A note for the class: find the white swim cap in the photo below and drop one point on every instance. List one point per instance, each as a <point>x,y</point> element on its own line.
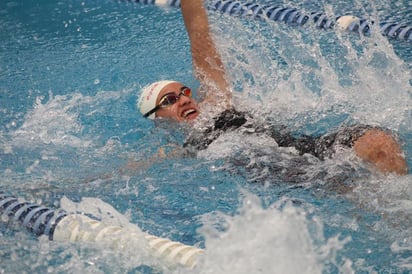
<point>148,96</point>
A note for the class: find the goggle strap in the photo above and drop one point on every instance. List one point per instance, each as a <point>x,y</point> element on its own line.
<point>156,108</point>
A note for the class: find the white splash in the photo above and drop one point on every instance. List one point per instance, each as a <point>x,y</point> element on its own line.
<point>280,239</point>
<point>53,122</point>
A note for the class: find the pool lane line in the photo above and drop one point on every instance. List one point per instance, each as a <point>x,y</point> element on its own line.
<point>59,225</point>
<point>294,17</point>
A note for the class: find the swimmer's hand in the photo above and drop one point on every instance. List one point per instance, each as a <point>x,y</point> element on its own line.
<point>164,152</point>
<point>101,177</point>
<point>133,166</point>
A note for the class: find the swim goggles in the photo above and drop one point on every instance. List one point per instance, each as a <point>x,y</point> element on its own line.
<point>170,99</point>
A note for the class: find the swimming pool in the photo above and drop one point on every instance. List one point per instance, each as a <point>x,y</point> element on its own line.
<point>69,74</point>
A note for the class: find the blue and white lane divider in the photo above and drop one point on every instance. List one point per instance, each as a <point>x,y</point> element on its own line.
<point>295,17</point>
<point>59,225</point>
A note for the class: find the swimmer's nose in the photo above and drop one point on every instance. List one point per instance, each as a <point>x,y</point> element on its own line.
<point>183,100</point>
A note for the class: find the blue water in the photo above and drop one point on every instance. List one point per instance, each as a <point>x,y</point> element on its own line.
<point>69,76</point>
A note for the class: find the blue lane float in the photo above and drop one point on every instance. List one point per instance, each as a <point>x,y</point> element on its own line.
<point>294,17</point>
<point>37,219</point>
<point>59,225</point>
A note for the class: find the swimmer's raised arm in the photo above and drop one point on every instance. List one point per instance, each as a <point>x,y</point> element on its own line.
<point>207,63</point>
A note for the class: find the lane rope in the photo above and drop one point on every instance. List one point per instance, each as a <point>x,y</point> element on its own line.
<point>294,17</point>
<point>59,225</point>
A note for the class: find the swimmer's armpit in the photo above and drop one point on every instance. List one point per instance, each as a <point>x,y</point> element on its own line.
<point>381,149</point>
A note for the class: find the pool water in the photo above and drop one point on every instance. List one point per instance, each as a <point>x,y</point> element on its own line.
<point>70,73</point>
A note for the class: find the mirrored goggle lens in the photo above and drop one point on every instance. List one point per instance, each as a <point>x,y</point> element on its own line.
<point>168,99</point>
<point>186,91</point>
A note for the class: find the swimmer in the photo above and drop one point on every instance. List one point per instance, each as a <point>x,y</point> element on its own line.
<point>173,100</point>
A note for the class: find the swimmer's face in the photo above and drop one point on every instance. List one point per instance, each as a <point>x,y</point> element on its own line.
<point>184,110</point>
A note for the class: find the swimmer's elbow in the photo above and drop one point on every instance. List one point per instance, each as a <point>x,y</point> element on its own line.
<point>383,151</point>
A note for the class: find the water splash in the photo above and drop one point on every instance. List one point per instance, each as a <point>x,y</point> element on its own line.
<point>280,239</point>
<point>300,75</point>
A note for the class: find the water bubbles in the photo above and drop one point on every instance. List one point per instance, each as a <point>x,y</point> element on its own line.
<point>39,99</point>
<point>12,124</point>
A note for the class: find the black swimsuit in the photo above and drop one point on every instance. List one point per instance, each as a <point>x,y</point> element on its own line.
<point>321,147</point>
